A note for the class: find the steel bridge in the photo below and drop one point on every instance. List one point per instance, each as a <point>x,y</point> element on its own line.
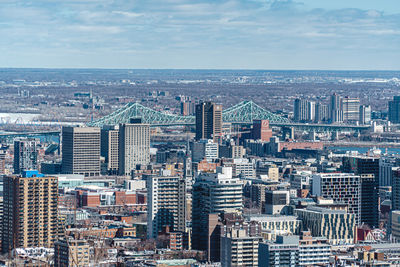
<point>244,112</point>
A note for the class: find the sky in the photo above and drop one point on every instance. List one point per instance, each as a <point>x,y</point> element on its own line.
<point>201,34</point>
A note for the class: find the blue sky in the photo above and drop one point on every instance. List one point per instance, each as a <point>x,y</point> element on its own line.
<point>218,34</point>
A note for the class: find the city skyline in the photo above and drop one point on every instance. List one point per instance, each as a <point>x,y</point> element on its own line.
<point>304,34</point>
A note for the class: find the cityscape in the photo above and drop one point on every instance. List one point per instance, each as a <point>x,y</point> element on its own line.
<point>177,133</point>
<point>108,173</point>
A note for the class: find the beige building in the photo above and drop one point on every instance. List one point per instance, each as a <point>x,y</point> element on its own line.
<point>71,253</point>
<point>239,249</point>
<point>81,150</point>
<point>336,225</point>
<point>134,146</point>
<point>30,211</point>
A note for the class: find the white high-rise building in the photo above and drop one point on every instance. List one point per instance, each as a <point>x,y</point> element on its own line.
<point>165,204</point>
<point>386,167</point>
<point>365,114</point>
<point>213,193</point>
<point>311,111</point>
<point>134,146</point>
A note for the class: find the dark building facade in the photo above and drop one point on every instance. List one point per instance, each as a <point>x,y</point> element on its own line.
<point>394,110</point>
<point>368,169</point>
<point>208,121</point>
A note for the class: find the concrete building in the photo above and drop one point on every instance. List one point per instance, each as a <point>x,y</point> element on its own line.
<point>208,121</point>
<point>81,150</point>
<point>30,215</point>
<point>395,225</point>
<point>394,110</point>
<point>242,167</point>
<point>284,252</point>
<point>134,146</point>
<point>336,225</point>
<point>204,149</point>
<point>275,225</point>
<point>313,251</point>
<point>365,114</point>
<point>166,204</point>
<point>275,201</point>
<point>301,110</point>
<point>396,190</point>
<point>321,113</point>
<point>109,148</point>
<point>239,249</point>
<point>340,187</point>
<point>311,111</point>
<point>237,152</point>
<point>336,108</point>
<point>213,193</point>
<point>386,167</point>
<point>303,250</point>
<point>71,252</point>
<point>351,109</point>
<point>25,155</point>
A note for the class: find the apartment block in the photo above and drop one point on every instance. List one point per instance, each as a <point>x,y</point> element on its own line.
<point>30,211</point>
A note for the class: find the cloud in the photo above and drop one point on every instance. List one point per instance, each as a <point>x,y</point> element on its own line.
<point>202,32</point>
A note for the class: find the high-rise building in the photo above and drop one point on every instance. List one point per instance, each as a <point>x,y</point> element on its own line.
<point>208,121</point>
<point>165,204</point>
<point>187,108</point>
<point>395,225</point>
<point>261,130</point>
<point>301,110</point>
<point>351,109</point>
<point>134,146</point>
<point>213,193</point>
<point>368,169</point>
<point>30,211</point>
<point>387,165</point>
<point>109,148</point>
<point>311,111</point>
<point>336,225</point>
<point>365,114</point>
<point>71,252</point>
<point>239,249</point>
<point>396,190</point>
<point>321,112</point>
<point>394,110</point>
<point>25,155</point>
<point>336,108</point>
<point>340,187</point>
<point>81,150</point>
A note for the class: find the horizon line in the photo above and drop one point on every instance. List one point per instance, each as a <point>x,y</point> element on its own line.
<point>209,69</point>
